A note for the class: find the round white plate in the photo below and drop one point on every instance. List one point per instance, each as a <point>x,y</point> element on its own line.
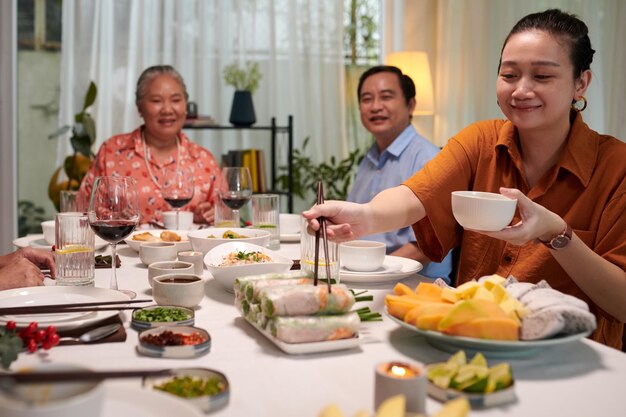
<point>408,267</point>
<point>38,242</point>
<point>490,348</point>
<point>389,266</point>
<point>290,237</point>
<point>20,297</point>
<point>183,245</point>
<point>138,402</point>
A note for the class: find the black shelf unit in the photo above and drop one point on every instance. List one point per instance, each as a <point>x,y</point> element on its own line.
<point>275,130</point>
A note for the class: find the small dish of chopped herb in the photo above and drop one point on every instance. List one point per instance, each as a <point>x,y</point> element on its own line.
<point>155,316</point>
<point>206,389</point>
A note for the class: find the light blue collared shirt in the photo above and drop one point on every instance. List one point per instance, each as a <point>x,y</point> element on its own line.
<point>379,171</point>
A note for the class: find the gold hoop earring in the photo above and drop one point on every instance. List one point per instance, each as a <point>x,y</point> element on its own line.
<point>576,108</point>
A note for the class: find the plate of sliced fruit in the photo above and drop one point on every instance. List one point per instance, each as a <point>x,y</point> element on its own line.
<point>482,385</point>
<point>487,317</point>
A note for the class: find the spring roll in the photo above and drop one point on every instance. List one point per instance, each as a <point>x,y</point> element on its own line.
<point>306,329</point>
<point>303,300</point>
<point>242,282</point>
<point>252,289</point>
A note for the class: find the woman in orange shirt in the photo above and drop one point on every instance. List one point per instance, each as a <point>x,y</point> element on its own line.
<point>159,144</point>
<point>569,181</point>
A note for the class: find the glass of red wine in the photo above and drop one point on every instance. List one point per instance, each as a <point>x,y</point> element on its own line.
<point>113,214</point>
<point>235,188</point>
<point>178,188</point>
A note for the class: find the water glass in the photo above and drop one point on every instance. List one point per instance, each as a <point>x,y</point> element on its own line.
<point>265,216</point>
<point>307,254</point>
<point>74,253</point>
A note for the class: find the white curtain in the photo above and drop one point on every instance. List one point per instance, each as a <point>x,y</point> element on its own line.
<point>464,47</point>
<point>297,43</point>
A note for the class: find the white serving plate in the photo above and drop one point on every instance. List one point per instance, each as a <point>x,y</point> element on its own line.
<point>38,242</point>
<point>183,245</point>
<point>45,295</point>
<point>489,348</point>
<point>407,268</point>
<point>312,347</point>
<point>139,402</point>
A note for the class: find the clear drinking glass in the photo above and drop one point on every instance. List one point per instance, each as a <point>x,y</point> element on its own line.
<point>114,214</point>
<point>178,188</point>
<point>307,254</point>
<point>74,249</point>
<point>265,216</point>
<point>235,188</point>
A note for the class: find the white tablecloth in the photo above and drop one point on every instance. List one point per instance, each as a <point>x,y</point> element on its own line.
<point>582,378</point>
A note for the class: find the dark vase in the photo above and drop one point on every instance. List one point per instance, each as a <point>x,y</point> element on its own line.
<point>242,111</point>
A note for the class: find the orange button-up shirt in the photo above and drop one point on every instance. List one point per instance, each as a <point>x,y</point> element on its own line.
<point>587,188</point>
<point>123,155</point>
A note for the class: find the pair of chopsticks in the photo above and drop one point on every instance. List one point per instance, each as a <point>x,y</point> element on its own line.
<point>72,308</point>
<point>73,376</point>
<point>322,230</point>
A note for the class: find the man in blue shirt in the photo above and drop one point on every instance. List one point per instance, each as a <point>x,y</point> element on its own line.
<point>386,102</point>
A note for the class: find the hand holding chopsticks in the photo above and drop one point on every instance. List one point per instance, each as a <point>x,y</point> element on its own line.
<point>322,229</point>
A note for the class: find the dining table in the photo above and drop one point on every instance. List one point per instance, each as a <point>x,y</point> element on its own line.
<point>581,378</point>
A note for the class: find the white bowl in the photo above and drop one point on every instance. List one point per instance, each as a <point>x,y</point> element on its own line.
<point>151,252</point>
<point>226,275</point>
<point>205,403</point>
<point>484,211</point>
<point>53,399</point>
<point>48,231</point>
<point>178,290</point>
<point>169,267</point>
<point>183,245</point>
<point>362,255</point>
<point>289,223</point>
<point>201,241</point>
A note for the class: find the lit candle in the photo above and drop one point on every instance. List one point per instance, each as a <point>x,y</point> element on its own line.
<point>400,378</point>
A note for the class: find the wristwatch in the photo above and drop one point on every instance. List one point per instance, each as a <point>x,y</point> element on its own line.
<point>559,241</point>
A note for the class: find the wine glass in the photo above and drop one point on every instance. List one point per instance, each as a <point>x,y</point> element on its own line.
<point>235,188</point>
<point>178,188</point>
<point>113,214</point>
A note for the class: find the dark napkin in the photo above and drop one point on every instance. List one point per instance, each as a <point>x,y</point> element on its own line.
<point>119,336</point>
<point>105,261</point>
<point>296,264</point>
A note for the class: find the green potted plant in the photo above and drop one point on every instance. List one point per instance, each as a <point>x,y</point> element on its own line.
<point>71,173</point>
<point>337,175</point>
<point>246,81</point>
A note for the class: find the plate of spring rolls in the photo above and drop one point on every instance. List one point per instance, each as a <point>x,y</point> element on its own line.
<point>296,316</point>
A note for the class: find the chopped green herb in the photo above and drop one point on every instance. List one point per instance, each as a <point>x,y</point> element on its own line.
<point>161,314</point>
<point>188,387</point>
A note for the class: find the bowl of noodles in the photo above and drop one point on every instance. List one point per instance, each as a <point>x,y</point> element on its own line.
<point>204,240</point>
<point>233,260</point>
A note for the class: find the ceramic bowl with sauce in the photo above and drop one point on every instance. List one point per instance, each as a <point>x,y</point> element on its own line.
<point>178,342</point>
<point>178,290</point>
<point>156,269</point>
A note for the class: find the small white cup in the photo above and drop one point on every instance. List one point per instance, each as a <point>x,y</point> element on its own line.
<point>289,223</point>
<point>195,258</point>
<point>151,252</point>
<point>185,220</point>
<point>168,267</point>
<point>178,290</point>
<point>362,255</point>
<point>48,231</point>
